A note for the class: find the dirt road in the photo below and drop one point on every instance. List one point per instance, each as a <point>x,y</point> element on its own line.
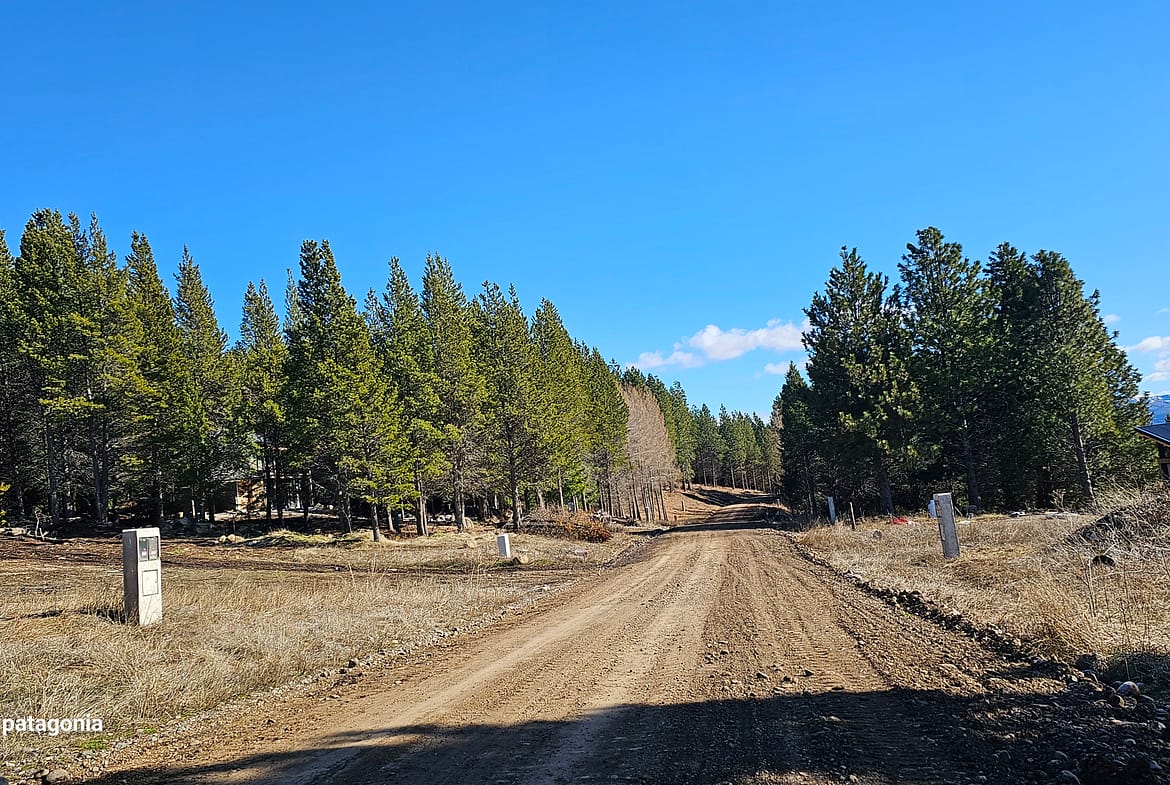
<point>719,655</point>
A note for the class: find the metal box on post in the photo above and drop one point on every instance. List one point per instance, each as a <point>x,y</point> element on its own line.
<point>142,575</point>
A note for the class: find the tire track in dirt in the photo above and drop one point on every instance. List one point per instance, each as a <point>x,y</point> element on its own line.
<point>718,656</point>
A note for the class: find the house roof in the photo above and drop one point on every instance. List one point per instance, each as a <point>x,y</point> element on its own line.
<point>1159,433</point>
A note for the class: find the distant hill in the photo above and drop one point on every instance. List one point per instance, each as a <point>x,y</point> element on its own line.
<point>1159,408</point>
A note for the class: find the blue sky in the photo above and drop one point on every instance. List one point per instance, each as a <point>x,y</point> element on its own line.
<point>677,178</point>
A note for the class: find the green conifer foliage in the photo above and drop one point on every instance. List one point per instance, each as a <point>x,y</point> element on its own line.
<point>460,384</point>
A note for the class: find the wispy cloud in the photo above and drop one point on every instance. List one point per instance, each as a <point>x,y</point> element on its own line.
<point>1161,371</point>
<point>1155,343</point>
<point>1111,318</point>
<point>714,344</point>
<point>650,360</point>
<point>719,344</point>
<point>776,369</point>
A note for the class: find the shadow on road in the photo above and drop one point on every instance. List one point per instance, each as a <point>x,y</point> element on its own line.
<point>899,735</point>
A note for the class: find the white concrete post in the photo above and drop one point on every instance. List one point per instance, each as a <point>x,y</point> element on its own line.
<point>947,532</point>
<point>142,576</point>
<point>832,511</point>
<point>504,543</point>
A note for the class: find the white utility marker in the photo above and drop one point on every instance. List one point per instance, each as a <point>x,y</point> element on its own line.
<point>142,576</point>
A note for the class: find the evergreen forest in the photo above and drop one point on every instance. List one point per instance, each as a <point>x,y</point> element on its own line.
<point>123,400</point>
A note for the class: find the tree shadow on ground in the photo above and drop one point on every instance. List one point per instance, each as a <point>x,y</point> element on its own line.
<point>890,736</point>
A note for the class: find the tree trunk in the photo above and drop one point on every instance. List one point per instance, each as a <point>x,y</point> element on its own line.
<point>269,490</point>
<point>883,477</point>
<point>1082,463</point>
<point>374,521</point>
<point>561,489</point>
<point>156,491</point>
<point>422,506</point>
<point>973,497</point>
<point>460,519</point>
<point>51,475</point>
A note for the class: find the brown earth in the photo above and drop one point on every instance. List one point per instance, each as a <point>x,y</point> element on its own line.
<point>717,655</point>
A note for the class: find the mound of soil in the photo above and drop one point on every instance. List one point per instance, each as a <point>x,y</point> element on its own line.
<point>1146,518</point>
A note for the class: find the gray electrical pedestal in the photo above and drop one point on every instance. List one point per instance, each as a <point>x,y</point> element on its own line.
<point>142,576</point>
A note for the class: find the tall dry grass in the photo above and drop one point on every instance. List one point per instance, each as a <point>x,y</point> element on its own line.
<point>1036,577</point>
<point>64,651</point>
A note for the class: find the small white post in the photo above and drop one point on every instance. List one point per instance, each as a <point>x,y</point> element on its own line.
<point>142,576</point>
<point>947,531</point>
<point>504,543</point>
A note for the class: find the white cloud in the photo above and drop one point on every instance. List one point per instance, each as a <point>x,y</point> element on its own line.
<point>718,344</point>
<point>1161,371</point>
<point>1155,343</point>
<point>1164,310</point>
<point>776,369</point>
<point>714,344</point>
<point>1111,318</point>
<point>649,360</point>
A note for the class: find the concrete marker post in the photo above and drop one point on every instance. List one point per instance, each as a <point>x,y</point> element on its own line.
<point>832,512</point>
<point>504,543</point>
<point>142,576</point>
<point>947,530</point>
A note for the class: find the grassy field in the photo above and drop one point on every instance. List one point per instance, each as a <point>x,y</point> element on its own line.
<point>241,618</point>
<point>1065,583</point>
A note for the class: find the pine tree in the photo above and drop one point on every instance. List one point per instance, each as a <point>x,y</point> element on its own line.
<point>111,386</point>
<point>46,290</point>
<point>154,466</point>
<point>606,428</point>
<point>517,411</point>
<point>460,387</point>
<point>208,438</point>
<point>17,403</point>
<point>685,444</point>
<point>560,375</point>
<point>348,432</point>
<point>261,353</point>
<point>858,365</point>
<point>948,316</point>
<point>1073,392</point>
<point>798,441</point>
<point>709,446</point>
<point>401,338</point>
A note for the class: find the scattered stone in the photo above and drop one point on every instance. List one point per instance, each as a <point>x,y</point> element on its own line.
<point>1129,689</point>
<point>56,775</point>
<point>761,676</point>
<point>351,664</point>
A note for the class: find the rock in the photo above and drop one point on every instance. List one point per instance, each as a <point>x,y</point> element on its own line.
<point>761,676</point>
<point>1087,662</point>
<point>351,664</point>
<point>56,775</point>
<point>521,558</point>
<point>1129,689</point>
<point>1068,777</point>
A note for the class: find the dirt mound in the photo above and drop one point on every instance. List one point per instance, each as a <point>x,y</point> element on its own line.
<point>1145,518</point>
<point>566,525</point>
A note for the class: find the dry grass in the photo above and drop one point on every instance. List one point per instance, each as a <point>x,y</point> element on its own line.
<point>1036,577</point>
<point>238,619</point>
